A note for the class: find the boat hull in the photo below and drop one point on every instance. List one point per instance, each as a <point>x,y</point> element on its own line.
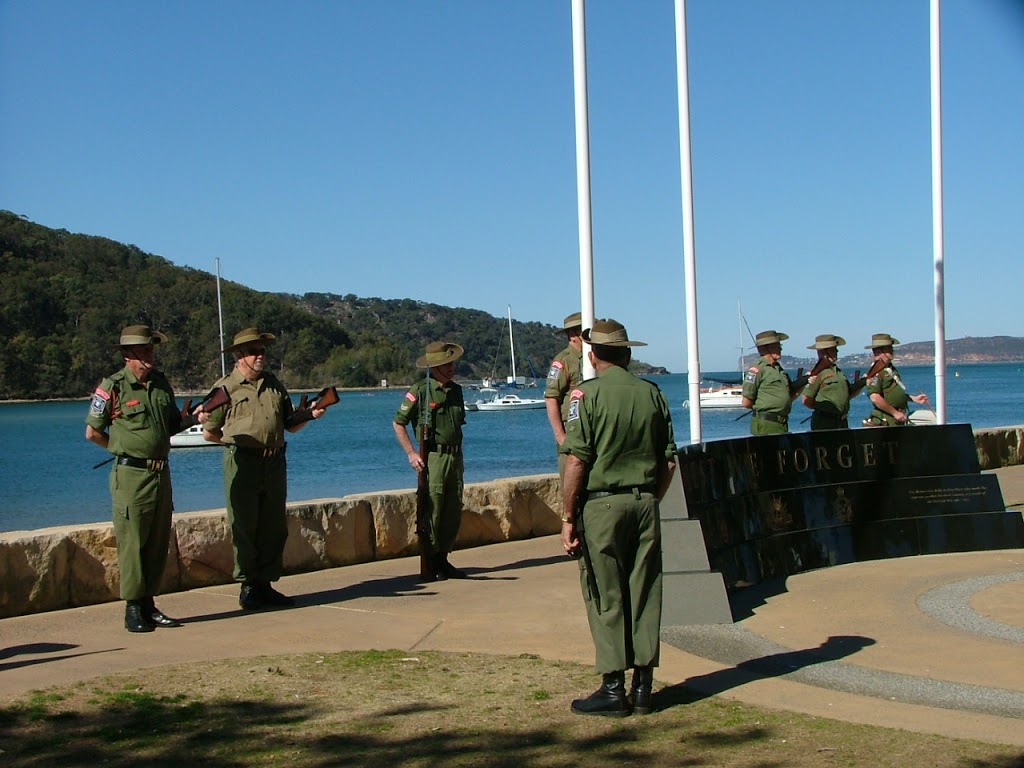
<point>191,438</point>
<point>510,403</point>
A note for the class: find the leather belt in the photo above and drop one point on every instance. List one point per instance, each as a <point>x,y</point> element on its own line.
<point>448,448</point>
<point>262,453</point>
<point>156,465</point>
<point>774,417</point>
<point>634,490</point>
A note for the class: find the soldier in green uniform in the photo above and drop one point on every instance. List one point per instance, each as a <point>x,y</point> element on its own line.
<point>133,415</point>
<point>828,393</point>
<point>620,451</point>
<point>886,390</point>
<point>767,388</point>
<point>255,471</point>
<point>447,414</point>
<point>563,377</point>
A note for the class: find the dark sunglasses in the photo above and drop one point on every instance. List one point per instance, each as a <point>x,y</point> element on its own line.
<point>254,351</point>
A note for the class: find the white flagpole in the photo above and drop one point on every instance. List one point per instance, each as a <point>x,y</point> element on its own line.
<point>579,68</point>
<point>220,321</point>
<point>937,209</point>
<point>689,258</point>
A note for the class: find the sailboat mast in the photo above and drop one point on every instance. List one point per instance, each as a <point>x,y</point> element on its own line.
<point>739,328</point>
<point>511,345</point>
<point>220,321</point>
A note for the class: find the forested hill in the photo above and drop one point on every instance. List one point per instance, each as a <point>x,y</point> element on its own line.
<point>64,298</point>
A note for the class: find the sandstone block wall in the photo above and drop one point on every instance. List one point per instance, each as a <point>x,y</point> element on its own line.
<point>1000,446</point>
<point>65,567</point>
<point>57,568</point>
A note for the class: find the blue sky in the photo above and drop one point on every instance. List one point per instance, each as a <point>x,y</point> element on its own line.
<point>426,150</point>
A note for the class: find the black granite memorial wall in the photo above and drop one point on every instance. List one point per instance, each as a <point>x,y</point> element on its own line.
<point>776,505</point>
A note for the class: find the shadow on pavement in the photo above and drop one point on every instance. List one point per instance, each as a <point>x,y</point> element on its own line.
<point>776,665</point>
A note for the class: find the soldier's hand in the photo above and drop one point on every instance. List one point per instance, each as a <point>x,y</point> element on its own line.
<point>570,541</point>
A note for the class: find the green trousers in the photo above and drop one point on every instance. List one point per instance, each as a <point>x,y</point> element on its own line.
<point>620,577</point>
<point>445,483</point>
<point>256,489</point>
<point>762,427</point>
<point>142,507</point>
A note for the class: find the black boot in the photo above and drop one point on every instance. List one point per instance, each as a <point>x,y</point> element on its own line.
<point>450,571</point>
<point>642,690</point>
<point>249,597</point>
<point>609,700</point>
<point>155,616</point>
<point>134,620</point>
<point>437,566</point>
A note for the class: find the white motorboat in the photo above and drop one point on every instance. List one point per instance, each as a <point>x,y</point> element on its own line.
<point>490,392</point>
<point>725,396</point>
<point>923,417</point>
<point>191,438</point>
<point>509,402</point>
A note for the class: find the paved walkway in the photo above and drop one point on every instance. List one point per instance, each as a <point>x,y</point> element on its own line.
<point>932,644</point>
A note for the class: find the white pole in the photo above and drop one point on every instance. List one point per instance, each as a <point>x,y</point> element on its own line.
<point>220,321</point>
<point>511,345</point>
<point>937,228</point>
<point>579,68</point>
<point>689,259</point>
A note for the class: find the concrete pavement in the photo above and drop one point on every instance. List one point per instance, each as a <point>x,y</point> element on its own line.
<point>931,644</point>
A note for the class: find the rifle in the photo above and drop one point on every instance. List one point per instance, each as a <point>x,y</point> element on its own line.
<point>218,397</point>
<point>801,380</point>
<point>423,487</point>
<point>325,398</point>
<point>858,382</point>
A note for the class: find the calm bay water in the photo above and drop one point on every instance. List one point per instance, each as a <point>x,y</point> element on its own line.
<point>46,475</point>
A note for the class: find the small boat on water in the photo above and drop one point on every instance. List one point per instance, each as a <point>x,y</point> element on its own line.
<point>725,396</point>
<point>725,392</point>
<point>509,402</point>
<point>191,438</point>
<point>490,393</point>
<point>923,417</point>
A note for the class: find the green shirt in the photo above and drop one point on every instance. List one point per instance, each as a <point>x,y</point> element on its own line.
<point>830,392</point>
<point>620,427</point>
<point>255,417</point>
<point>767,385</point>
<point>563,377</point>
<point>139,417</point>
<point>447,410</point>
<point>890,386</point>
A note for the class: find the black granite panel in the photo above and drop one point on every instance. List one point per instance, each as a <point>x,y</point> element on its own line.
<point>784,554</point>
<point>776,505</point>
<point>729,521</point>
<point>725,468</point>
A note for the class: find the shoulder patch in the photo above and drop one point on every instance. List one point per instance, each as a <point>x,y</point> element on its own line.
<point>576,394</point>
<point>410,396</point>
<point>100,398</point>
<point>750,376</point>
<point>555,369</point>
<point>753,369</point>
<point>574,410</point>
